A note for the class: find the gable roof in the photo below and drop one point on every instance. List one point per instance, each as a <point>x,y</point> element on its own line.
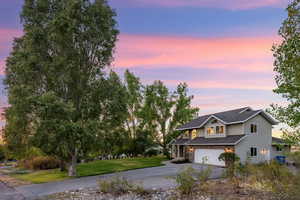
<point>235,116</point>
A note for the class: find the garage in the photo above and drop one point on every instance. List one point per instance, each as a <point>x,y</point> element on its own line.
<point>210,156</point>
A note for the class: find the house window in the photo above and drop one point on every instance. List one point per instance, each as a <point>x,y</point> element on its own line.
<point>253,151</point>
<point>219,129</point>
<point>278,148</point>
<point>194,133</point>
<point>253,128</point>
<point>210,131</point>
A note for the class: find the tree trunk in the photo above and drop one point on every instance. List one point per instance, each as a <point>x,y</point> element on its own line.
<point>72,166</point>
<point>62,166</point>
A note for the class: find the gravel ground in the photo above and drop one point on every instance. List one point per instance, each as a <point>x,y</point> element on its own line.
<point>94,194</point>
<point>9,193</point>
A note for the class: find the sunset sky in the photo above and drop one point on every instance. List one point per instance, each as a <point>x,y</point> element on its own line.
<point>221,48</point>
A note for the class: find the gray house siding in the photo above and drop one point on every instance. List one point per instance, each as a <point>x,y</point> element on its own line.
<point>235,129</point>
<point>261,140</point>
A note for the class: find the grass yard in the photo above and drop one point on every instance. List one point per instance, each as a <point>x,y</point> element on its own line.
<point>42,176</point>
<point>92,168</point>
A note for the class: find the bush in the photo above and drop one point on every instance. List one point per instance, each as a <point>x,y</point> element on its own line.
<point>295,157</point>
<point>277,179</point>
<point>2,153</point>
<point>40,163</point>
<point>120,185</point>
<point>204,174</point>
<point>229,158</point>
<point>203,177</point>
<point>186,181</point>
<point>151,152</point>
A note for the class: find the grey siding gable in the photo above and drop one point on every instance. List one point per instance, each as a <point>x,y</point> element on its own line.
<point>261,140</point>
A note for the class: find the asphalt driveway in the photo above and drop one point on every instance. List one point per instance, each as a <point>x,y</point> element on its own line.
<point>154,177</point>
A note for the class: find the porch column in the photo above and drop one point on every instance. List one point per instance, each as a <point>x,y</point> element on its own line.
<point>178,153</point>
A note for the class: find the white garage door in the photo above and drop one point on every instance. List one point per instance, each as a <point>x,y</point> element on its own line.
<point>210,156</point>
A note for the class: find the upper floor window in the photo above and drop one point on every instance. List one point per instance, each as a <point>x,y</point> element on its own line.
<point>219,129</point>
<point>253,151</point>
<point>215,130</point>
<point>253,128</point>
<point>210,131</point>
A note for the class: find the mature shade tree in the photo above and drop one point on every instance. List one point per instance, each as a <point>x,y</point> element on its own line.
<point>183,110</point>
<point>110,131</point>
<point>134,90</point>
<point>163,111</point>
<point>287,66</point>
<point>55,80</point>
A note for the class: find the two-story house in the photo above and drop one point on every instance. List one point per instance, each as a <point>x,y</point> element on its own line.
<point>245,131</point>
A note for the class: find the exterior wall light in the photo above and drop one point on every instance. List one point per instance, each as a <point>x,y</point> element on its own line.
<point>228,150</point>
<point>264,151</point>
<point>191,149</point>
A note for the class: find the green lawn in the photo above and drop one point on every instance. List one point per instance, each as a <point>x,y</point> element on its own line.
<point>42,176</point>
<point>92,168</point>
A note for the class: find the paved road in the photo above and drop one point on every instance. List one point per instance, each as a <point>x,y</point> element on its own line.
<point>155,177</point>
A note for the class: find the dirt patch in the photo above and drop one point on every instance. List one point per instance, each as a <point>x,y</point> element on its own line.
<point>225,190</point>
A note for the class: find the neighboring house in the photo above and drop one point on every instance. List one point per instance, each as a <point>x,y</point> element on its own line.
<point>245,131</point>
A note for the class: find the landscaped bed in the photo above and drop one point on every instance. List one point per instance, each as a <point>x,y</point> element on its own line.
<point>89,169</point>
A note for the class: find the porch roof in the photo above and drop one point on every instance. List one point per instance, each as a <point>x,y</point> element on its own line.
<point>180,141</point>
<point>228,140</point>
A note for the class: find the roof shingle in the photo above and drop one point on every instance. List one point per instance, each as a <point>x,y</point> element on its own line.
<point>228,117</point>
<point>228,140</point>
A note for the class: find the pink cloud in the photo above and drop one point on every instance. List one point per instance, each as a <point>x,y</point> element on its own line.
<point>7,35</point>
<point>222,103</point>
<point>225,4</point>
<point>208,108</point>
<point>246,53</point>
<point>250,84</point>
<point>2,67</point>
<point>6,38</point>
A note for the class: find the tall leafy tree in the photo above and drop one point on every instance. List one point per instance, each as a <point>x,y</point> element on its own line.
<point>287,66</point>
<point>110,132</point>
<point>134,90</point>
<point>164,110</point>
<point>55,76</point>
<point>183,110</point>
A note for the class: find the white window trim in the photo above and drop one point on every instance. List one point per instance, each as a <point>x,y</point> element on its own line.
<point>215,133</point>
